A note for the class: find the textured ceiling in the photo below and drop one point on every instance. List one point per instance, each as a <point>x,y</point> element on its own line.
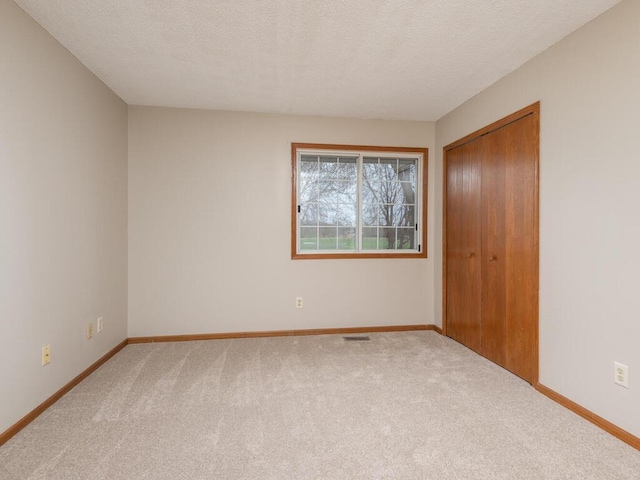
<point>391,59</point>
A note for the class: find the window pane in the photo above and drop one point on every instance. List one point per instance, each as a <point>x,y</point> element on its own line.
<point>397,192</point>
<point>309,214</point>
<point>370,171</point>
<point>329,167</point>
<point>331,188</point>
<point>407,170</point>
<point>370,213</point>
<point>327,215</point>
<point>370,192</point>
<point>388,169</point>
<point>396,238</point>
<point>389,214</point>
<point>308,238</point>
<point>337,214</point>
<point>308,191</point>
<point>388,200</point>
<point>347,238</point>
<point>347,169</point>
<point>346,192</point>
<point>346,214</point>
<point>407,193</point>
<point>406,216</point>
<point>328,196</point>
<point>386,238</point>
<point>406,238</point>
<point>326,190</point>
<point>369,238</point>
<point>390,192</point>
<point>328,238</point>
<point>397,215</point>
<point>308,178</point>
<point>332,192</point>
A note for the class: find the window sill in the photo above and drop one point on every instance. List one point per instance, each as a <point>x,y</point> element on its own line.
<point>336,256</point>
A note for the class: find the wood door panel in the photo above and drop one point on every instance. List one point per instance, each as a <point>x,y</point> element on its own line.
<point>454,222</point>
<point>472,254</point>
<point>491,212</point>
<point>520,146</point>
<point>463,234</point>
<point>494,261</point>
<point>509,262</point>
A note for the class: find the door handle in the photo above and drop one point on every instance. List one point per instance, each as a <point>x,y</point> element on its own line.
<point>492,258</point>
<point>470,255</point>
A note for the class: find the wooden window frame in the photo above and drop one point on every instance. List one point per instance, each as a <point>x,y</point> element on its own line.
<point>422,211</point>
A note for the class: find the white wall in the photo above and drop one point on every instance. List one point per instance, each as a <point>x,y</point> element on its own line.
<point>589,88</point>
<point>63,197</point>
<point>210,226</point>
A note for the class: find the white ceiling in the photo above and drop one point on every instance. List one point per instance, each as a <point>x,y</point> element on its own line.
<point>391,59</point>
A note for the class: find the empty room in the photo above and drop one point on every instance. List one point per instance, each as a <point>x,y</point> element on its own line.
<point>286,239</point>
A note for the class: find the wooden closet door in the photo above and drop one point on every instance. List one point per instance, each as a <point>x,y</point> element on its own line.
<point>494,334</point>
<point>463,308</point>
<point>491,242</point>
<point>509,244</point>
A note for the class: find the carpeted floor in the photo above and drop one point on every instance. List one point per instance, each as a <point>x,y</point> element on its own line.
<point>411,405</point>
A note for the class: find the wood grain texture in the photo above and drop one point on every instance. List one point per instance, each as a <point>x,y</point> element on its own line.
<point>435,328</point>
<point>494,247</point>
<point>281,333</point>
<point>521,279</point>
<point>294,199</point>
<point>472,238</point>
<point>463,247</point>
<point>367,148</point>
<point>334,256</point>
<point>597,420</point>
<point>507,270</point>
<point>533,109</point>
<point>422,221</point>
<point>31,416</point>
<point>444,239</point>
<point>453,163</point>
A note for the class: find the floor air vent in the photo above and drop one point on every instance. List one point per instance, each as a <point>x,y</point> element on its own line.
<point>357,338</point>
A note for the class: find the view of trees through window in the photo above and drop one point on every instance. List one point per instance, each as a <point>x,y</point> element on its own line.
<point>357,202</point>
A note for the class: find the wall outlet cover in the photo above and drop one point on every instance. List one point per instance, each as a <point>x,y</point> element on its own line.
<point>621,374</point>
<point>46,354</point>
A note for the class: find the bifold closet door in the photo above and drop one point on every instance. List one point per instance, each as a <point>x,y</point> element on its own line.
<point>509,245</point>
<point>491,242</point>
<point>463,275</point>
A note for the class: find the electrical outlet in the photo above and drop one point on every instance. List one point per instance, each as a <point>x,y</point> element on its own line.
<point>90,330</point>
<point>299,302</point>
<point>621,374</point>
<point>46,354</point>
<point>99,324</point>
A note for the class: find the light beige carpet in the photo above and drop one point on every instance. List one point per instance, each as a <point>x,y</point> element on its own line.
<point>409,405</point>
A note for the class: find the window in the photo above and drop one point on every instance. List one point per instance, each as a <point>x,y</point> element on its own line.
<point>358,202</point>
